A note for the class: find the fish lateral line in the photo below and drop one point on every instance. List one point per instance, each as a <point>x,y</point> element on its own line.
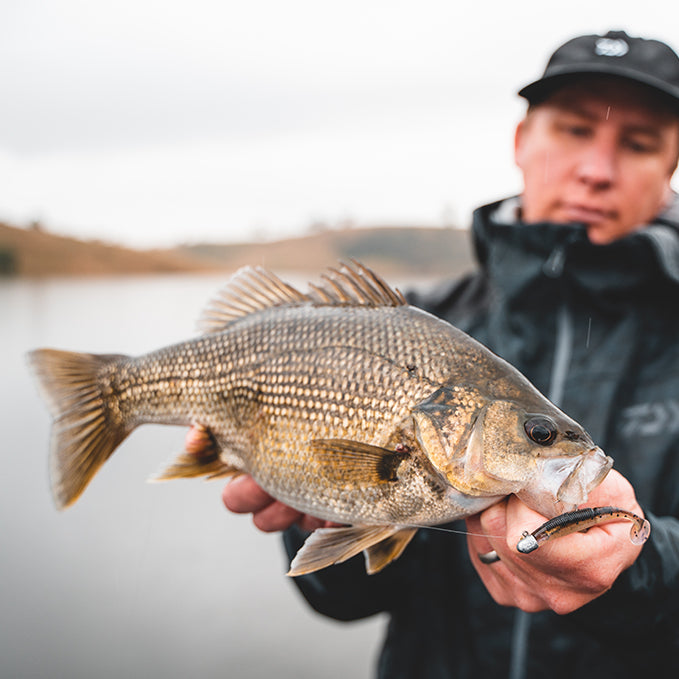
<point>581,520</point>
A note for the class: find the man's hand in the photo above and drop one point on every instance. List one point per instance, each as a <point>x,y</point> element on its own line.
<point>564,574</point>
<point>244,496</point>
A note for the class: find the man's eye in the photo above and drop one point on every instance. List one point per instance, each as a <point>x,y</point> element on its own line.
<point>578,130</point>
<point>638,146</point>
<point>575,130</point>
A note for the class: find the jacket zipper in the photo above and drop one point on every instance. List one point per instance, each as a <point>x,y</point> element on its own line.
<point>563,349</point>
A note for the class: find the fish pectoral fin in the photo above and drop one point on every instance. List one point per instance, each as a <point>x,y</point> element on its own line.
<point>328,546</point>
<point>188,466</point>
<point>346,461</point>
<point>383,553</point>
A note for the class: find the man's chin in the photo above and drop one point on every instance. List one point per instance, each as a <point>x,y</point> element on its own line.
<point>603,234</point>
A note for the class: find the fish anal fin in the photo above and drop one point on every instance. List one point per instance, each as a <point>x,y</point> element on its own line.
<point>383,553</point>
<point>346,461</point>
<point>188,466</point>
<point>328,546</point>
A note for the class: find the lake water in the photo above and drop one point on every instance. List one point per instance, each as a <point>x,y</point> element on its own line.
<point>138,580</point>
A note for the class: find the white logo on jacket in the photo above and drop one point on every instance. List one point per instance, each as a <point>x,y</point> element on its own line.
<point>651,419</point>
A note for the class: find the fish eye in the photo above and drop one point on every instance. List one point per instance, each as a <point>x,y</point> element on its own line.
<point>541,430</point>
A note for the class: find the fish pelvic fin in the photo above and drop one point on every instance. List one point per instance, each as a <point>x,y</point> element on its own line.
<point>85,429</point>
<point>328,546</point>
<point>253,289</point>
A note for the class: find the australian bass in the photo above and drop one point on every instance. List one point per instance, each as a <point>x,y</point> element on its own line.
<point>343,402</point>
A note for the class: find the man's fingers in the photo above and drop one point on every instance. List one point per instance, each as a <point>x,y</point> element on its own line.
<point>243,495</point>
<point>276,516</point>
<point>311,523</point>
<point>486,530</point>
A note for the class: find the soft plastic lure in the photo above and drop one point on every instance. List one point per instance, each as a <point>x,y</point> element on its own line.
<point>581,520</point>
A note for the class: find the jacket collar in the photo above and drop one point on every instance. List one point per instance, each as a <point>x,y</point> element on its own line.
<point>509,248</point>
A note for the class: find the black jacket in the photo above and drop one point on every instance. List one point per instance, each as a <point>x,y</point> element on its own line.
<point>595,328</point>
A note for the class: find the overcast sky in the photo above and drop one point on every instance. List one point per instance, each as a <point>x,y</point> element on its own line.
<point>152,122</point>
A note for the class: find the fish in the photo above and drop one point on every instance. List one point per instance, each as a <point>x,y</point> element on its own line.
<point>343,402</point>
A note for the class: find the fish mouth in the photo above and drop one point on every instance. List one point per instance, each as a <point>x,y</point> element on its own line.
<point>564,483</point>
<point>588,473</point>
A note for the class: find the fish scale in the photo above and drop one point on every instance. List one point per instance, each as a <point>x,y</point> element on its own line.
<point>344,402</point>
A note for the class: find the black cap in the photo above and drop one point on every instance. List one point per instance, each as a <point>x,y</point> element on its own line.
<point>649,62</point>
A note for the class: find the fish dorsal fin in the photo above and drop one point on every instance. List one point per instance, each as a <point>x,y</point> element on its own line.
<point>253,289</point>
<point>355,285</point>
<point>250,289</point>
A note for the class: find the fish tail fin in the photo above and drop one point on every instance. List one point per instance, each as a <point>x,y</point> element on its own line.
<point>85,431</point>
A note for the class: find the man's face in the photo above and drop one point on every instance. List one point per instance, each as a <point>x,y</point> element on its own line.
<point>597,152</point>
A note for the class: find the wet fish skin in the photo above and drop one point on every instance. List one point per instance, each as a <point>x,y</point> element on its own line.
<point>344,403</point>
<point>271,407</point>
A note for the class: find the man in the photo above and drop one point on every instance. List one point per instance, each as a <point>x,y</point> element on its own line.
<point>578,287</point>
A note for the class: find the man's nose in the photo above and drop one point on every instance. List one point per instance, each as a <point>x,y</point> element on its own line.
<point>597,167</point>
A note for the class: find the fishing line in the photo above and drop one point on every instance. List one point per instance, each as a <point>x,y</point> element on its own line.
<point>452,530</point>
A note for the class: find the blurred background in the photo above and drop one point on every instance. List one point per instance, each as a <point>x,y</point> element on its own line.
<point>149,148</point>
<point>150,122</point>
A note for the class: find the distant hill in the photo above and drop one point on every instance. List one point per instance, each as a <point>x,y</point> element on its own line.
<point>417,251</point>
<point>36,253</point>
<point>405,251</point>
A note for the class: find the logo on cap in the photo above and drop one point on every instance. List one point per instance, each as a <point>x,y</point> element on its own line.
<point>608,47</point>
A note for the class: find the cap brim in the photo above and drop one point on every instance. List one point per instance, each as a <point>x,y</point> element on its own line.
<point>540,89</point>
